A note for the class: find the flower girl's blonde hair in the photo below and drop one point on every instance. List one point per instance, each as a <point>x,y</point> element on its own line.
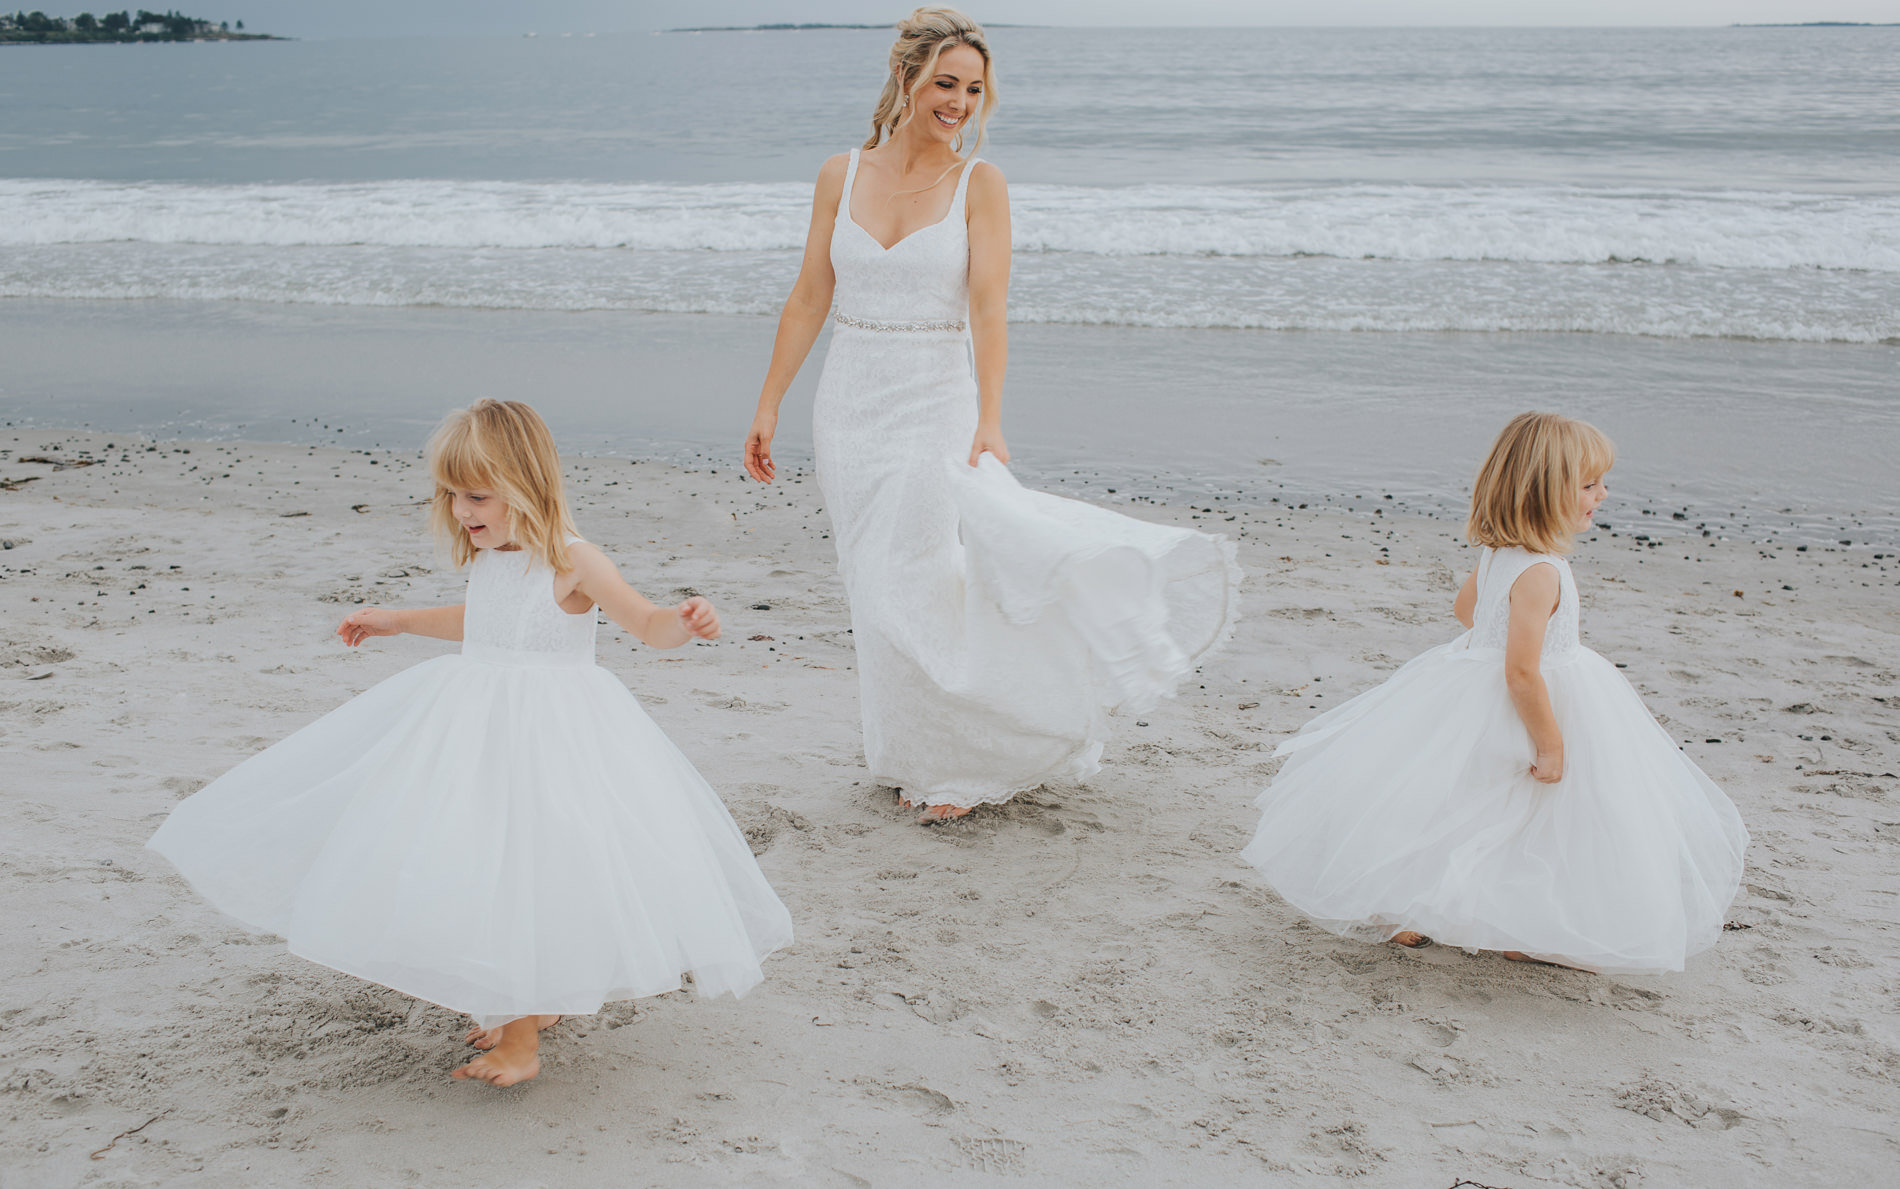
<point>501,446</point>
<point>1526,493</point>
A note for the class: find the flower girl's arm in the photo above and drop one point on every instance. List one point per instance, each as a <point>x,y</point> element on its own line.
<point>1465,606</point>
<point>443,623</point>
<point>594,577</point>
<point>1533,598</point>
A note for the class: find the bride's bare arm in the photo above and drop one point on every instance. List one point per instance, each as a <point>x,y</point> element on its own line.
<point>988,205</point>
<point>801,320</point>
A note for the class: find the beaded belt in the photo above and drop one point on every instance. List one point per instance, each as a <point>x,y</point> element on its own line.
<point>942,325</point>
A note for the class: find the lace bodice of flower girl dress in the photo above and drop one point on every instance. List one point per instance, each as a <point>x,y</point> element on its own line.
<point>1498,570</point>
<point>511,613</point>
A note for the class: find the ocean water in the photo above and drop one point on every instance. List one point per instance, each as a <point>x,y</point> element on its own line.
<point>1325,197</point>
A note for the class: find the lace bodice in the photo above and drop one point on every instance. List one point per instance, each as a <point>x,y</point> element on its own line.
<point>1498,570</point>
<point>923,278</point>
<point>511,614</point>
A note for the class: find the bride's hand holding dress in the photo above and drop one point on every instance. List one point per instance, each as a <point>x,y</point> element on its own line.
<point>989,440</point>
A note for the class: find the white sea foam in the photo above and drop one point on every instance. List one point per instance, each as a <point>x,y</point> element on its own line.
<point>1345,258</point>
<point>425,214</point>
<point>1545,224</point>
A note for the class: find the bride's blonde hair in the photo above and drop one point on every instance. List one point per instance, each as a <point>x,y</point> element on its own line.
<point>501,446</point>
<point>922,37</point>
<point>1526,493</point>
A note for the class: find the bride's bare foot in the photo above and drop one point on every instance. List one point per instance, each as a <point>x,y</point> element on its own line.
<point>1410,939</point>
<point>515,1057</point>
<point>903,802</point>
<point>486,1038</point>
<point>940,813</point>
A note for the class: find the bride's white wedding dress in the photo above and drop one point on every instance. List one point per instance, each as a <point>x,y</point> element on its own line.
<point>997,628</point>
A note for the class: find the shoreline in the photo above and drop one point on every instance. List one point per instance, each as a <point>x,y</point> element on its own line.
<point>1766,442</point>
<point>1084,984</point>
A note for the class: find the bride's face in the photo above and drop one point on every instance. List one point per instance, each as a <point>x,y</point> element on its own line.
<point>950,98</point>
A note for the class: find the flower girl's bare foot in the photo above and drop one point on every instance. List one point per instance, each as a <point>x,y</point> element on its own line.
<point>940,813</point>
<point>515,1058</point>
<point>487,1038</point>
<point>1410,939</point>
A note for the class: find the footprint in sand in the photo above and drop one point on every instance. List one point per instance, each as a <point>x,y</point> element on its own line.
<point>1666,1102</point>
<point>994,1154</point>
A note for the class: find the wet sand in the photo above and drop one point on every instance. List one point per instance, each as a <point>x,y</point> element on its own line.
<point>1085,986</point>
<point>1760,439</point>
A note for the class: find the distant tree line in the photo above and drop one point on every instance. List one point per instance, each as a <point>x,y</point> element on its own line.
<point>119,26</point>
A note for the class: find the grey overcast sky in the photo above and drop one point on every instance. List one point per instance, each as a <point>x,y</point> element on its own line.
<point>346,18</point>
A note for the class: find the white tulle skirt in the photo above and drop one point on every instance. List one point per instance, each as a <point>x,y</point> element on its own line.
<point>504,840</point>
<point>1412,806</point>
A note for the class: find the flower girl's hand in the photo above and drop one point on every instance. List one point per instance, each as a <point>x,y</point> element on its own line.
<point>989,439</point>
<point>1549,766</point>
<point>361,624</point>
<point>700,618</point>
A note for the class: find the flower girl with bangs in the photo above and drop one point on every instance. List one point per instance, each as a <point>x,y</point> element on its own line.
<point>1508,790</point>
<point>502,831</point>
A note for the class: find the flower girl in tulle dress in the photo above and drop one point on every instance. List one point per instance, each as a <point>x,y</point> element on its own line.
<point>1508,790</point>
<point>503,830</point>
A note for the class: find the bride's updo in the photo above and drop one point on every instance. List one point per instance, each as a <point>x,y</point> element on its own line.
<point>921,39</point>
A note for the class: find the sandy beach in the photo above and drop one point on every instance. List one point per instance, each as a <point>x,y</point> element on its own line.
<point>1085,986</point>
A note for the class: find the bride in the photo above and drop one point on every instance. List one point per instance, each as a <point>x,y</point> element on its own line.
<point>997,628</point>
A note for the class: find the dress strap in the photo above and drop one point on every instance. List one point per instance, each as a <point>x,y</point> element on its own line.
<point>850,179</point>
<point>963,183</point>
<point>1499,571</point>
<point>1510,565</point>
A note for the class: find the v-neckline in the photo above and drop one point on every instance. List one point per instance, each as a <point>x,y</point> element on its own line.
<point>902,239</point>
